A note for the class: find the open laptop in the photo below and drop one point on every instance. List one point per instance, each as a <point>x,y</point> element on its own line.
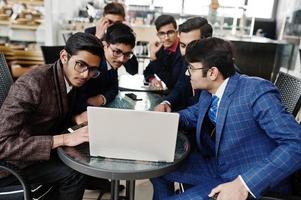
<point>131,134</point>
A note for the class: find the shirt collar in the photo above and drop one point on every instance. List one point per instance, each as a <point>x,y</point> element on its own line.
<point>221,89</point>
<point>174,46</point>
<point>68,86</point>
<point>109,67</point>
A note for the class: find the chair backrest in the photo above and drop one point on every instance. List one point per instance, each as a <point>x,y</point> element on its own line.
<point>290,91</point>
<point>6,79</point>
<point>51,53</point>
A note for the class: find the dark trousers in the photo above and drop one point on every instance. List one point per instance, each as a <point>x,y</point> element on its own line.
<point>68,183</point>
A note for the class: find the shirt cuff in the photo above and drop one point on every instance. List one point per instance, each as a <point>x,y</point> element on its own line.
<point>166,102</point>
<point>104,99</point>
<point>243,182</point>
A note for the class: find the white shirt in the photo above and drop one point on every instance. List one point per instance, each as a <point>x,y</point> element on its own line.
<point>68,86</point>
<point>219,93</point>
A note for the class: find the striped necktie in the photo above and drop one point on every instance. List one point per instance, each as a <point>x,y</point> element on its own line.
<point>213,109</point>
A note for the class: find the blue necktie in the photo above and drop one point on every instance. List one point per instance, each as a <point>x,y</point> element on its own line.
<point>213,109</point>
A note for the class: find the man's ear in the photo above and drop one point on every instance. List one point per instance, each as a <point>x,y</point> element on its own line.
<point>64,56</point>
<point>213,73</point>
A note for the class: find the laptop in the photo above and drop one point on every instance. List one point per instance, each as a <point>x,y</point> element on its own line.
<point>132,134</point>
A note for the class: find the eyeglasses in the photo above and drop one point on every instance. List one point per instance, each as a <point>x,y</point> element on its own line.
<point>169,33</point>
<point>119,53</point>
<point>81,67</point>
<point>191,69</point>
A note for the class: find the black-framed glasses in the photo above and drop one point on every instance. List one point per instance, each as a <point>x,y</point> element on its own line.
<point>169,33</point>
<point>190,68</point>
<point>82,67</point>
<point>119,53</point>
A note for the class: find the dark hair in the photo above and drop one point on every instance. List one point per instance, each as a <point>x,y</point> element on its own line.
<point>212,52</point>
<point>114,9</point>
<point>197,23</point>
<point>120,33</point>
<point>84,42</point>
<point>163,20</point>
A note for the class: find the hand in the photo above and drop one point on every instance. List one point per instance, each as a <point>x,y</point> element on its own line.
<point>96,100</point>
<point>79,136</point>
<point>101,27</point>
<point>157,84</point>
<point>163,107</point>
<point>234,190</point>
<point>154,48</point>
<point>81,118</point>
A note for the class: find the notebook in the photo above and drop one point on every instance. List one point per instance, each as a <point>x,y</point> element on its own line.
<point>132,134</point>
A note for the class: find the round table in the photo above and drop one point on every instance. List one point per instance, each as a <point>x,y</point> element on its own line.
<point>136,83</point>
<point>80,160</point>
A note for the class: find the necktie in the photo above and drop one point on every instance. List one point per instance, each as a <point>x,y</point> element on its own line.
<point>213,109</point>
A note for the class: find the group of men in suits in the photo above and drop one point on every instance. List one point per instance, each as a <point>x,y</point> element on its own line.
<point>247,143</point>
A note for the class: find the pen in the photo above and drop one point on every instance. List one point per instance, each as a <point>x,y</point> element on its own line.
<point>157,77</point>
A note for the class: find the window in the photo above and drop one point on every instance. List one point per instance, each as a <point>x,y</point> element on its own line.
<point>265,10</point>
<point>196,7</point>
<point>169,6</point>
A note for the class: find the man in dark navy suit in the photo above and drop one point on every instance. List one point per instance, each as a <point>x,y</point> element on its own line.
<point>182,94</point>
<point>165,55</point>
<point>118,43</point>
<point>113,13</point>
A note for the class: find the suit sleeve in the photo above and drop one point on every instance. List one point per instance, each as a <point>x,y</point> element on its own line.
<point>181,91</point>
<point>150,70</point>
<point>131,65</point>
<point>284,130</point>
<point>189,117</point>
<point>15,142</point>
<point>112,90</point>
<point>91,30</point>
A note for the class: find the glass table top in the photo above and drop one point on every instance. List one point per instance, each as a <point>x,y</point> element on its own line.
<point>79,159</point>
<point>148,101</point>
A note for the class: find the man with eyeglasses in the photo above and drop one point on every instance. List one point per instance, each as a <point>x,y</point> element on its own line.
<point>182,94</point>
<point>113,13</point>
<point>36,113</point>
<point>166,60</point>
<point>248,144</point>
<point>118,43</point>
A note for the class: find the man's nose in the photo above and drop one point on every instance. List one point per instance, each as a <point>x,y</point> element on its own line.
<point>85,74</point>
<point>122,58</point>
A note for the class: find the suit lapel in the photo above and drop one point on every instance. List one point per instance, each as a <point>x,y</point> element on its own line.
<point>204,104</point>
<point>60,88</point>
<point>223,108</point>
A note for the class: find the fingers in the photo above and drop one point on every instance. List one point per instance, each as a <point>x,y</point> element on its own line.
<point>167,108</point>
<point>215,190</point>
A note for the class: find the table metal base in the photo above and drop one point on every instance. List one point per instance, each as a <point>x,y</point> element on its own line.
<point>130,190</point>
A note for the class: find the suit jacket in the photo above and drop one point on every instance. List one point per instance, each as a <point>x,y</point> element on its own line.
<point>35,109</point>
<point>167,66</point>
<point>106,84</point>
<point>255,136</point>
<point>181,95</point>
<point>131,65</point>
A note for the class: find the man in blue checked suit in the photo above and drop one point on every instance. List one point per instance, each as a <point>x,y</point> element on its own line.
<point>247,142</point>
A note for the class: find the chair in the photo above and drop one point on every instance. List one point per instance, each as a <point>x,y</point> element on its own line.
<point>17,191</point>
<point>5,79</point>
<point>290,91</point>
<point>21,191</point>
<point>51,53</point>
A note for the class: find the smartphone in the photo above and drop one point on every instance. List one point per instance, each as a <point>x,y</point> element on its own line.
<point>133,96</point>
